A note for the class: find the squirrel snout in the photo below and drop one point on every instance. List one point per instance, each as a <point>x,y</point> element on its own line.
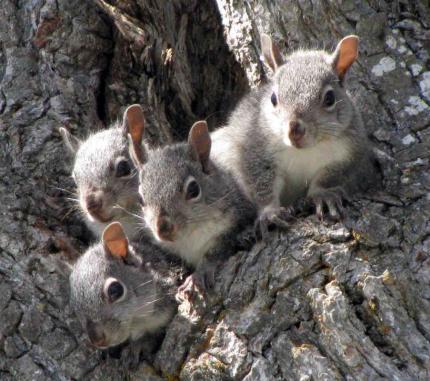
<point>94,202</point>
<point>165,229</point>
<point>296,131</point>
<point>96,335</point>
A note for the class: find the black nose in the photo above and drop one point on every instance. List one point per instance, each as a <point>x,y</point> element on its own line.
<point>96,334</point>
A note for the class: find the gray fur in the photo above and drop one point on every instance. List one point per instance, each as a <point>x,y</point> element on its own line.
<point>257,133</point>
<point>202,225</point>
<point>151,279</point>
<point>94,168</point>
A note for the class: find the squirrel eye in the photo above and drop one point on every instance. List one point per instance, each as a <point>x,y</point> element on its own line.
<point>274,99</point>
<point>329,99</point>
<point>114,290</point>
<point>193,190</point>
<point>122,168</point>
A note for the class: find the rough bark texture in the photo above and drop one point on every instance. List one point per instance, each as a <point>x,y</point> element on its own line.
<point>348,301</point>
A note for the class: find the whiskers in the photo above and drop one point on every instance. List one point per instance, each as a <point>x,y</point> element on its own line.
<point>143,284</point>
<point>73,208</point>
<point>72,202</point>
<point>126,211</point>
<point>138,306</point>
<point>204,214</point>
<point>73,199</point>
<point>63,190</point>
<point>330,129</point>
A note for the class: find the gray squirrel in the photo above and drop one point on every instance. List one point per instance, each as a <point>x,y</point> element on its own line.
<point>299,135</point>
<point>121,291</point>
<point>105,176</point>
<point>191,205</point>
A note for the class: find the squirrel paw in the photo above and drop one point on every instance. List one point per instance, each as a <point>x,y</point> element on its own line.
<point>196,286</point>
<point>269,217</point>
<point>331,202</point>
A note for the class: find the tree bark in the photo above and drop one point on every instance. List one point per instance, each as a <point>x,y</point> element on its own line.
<point>319,302</point>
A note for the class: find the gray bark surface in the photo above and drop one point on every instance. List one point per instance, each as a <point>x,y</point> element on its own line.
<point>319,302</point>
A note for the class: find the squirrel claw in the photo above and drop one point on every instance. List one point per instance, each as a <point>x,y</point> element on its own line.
<point>270,217</point>
<point>332,201</point>
<point>196,285</point>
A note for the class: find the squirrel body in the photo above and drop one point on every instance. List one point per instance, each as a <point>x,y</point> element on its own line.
<point>198,225</point>
<point>193,207</point>
<point>300,135</point>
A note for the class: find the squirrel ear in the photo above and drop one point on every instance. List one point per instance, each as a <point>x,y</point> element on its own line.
<point>115,241</point>
<point>345,55</point>
<point>72,143</point>
<point>134,124</point>
<point>200,142</point>
<point>271,53</point>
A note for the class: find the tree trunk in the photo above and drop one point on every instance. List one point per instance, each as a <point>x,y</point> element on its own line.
<point>320,302</point>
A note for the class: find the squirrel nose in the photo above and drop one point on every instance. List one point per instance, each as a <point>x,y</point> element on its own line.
<point>96,334</point>
<point>165,229</point>
<point>94,202</point>
<point>297,130</point>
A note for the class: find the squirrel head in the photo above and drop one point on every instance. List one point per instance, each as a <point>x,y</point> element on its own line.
<point>177,190</point>
<point>306,102</point>
<point>112,293</point>
<point>104,174</point>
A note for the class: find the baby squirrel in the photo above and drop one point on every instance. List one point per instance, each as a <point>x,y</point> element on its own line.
<point>105,176</point>
<point>299,135</point>
<point>191,205</point>
<point>121,291</point>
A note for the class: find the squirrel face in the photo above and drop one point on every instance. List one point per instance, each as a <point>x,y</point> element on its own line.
<point>112,294</point>
<point>105,177</point>
<point>175,193</point>
<point>306,103</point>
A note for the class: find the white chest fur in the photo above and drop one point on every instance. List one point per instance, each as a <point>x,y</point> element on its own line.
<point>198,239</point>
<point>299,166</point>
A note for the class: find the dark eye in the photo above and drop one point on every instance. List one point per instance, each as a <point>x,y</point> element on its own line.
<point>114,291</point>
<point>193,190</point>
<point>329,98</point>
<point>122,168</point>
<point>274,99</point>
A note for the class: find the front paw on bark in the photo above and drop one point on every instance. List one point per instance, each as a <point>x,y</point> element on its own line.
<point>329,204</point>
<point>272,217</point>
<point>196,286</point>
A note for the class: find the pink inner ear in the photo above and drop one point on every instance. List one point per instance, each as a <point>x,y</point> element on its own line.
<point>117,248</point>
<point>271,53</point>
<point>115,240</point>
<point>136,122</point>
<point>348,53</point>
<point>200,140</point>
<point>136,126</point>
